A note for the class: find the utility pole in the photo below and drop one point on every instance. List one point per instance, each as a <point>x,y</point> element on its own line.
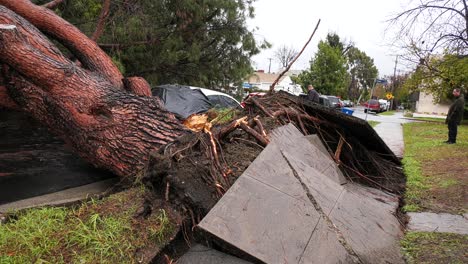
<point>269,66</point>
<point>394,74</point>
<point>394,81</point>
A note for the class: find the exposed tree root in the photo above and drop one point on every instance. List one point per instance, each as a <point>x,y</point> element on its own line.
<point>213,157</point>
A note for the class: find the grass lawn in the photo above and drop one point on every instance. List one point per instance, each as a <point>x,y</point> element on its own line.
<point>437,181</point>
<point>388,113</point>
<point>100,231</point>
<point>424,247</point>
<point>373,123</point>
<point>437,174</point>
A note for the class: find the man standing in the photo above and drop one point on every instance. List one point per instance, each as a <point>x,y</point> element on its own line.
<point>454,116</point>
<point>312,94</point>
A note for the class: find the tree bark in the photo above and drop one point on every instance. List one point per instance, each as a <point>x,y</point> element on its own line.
<point>87,107</point>
<point>53,4</point>
<point>102,20</point>
<point>86,50</point>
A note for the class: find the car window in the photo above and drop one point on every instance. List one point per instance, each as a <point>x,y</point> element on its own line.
<point>324,101</point>
<point>334,99</point>
<point>228,102</point>
<point>215,100</point>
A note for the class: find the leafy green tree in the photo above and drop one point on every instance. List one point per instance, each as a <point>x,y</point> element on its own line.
<point>400,91</point>
<point>327,69</point>
<point>362,72</point>
<point>439,76</point>
<point>203,43</point>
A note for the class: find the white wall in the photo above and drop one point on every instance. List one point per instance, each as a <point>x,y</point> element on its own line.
<point>426,105</point>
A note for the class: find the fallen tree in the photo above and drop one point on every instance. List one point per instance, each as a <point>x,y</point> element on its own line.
<point>111,121</point>
<point>87,103</point>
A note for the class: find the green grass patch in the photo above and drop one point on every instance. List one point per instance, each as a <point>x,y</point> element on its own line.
<point>425,247</point>
<point>373,123</point>
<point>103,231</point>
<point>427,161</point>
<point>415,184</point>
<point>388,113</point>
<point>430,119</point>
<point>438,120</point>
<point>448,183</point>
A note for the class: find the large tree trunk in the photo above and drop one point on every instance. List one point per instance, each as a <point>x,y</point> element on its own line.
<point>86,103</point>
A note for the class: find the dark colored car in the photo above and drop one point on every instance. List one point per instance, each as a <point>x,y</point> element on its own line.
<point>325,101</point>
<point>372,105</point>
<point>334,101</point>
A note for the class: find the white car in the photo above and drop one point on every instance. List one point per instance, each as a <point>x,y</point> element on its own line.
<point>218,99</point>
<point>184,101</point>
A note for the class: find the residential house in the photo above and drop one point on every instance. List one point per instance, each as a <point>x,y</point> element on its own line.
<point>261,80</point>
<point>425,105</point>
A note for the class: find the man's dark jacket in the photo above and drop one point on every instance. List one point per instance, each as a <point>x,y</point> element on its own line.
<point>313,96</point>
<point>455,113</point>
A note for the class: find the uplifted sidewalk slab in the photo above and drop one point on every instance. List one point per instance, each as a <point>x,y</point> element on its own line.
<point>62,197</point>
<point>443,223</point>
<point>292,206</point>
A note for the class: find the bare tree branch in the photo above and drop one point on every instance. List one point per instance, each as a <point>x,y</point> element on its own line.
<point>435,25</point>
<point>272,87</point>
<point>53,4</point>
<point>102,20</point>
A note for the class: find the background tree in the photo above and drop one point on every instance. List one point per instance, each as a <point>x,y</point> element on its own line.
<point>433,35</point>
<point>203,43</point>
<point>327,69</point>
<point>399,90</point>
<point>362,72</point>
<point>285,55</point>
<point>439,76</point>
<point>434,24</point>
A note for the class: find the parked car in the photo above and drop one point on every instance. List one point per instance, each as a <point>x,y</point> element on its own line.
<point>325,101</point>
<point>184,101</point>
<point>383,105</point>
<point>218,99</point>
<point>334,101</point>
<point>348,103</point>
<point>253,94</point>
<point>372,105</point>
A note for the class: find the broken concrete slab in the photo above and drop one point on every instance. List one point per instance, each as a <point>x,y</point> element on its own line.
<point>284,209</point>
<point>199,254</point>
<point>62,197</point>
<point>267,215</point>
<point>315,156</point>
<point>433,222</point>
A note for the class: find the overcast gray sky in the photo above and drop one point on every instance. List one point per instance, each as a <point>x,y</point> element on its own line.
<point>290,23</point>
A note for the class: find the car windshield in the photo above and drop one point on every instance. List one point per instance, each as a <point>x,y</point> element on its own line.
<point>220,101</point>
<point>333,99</point>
